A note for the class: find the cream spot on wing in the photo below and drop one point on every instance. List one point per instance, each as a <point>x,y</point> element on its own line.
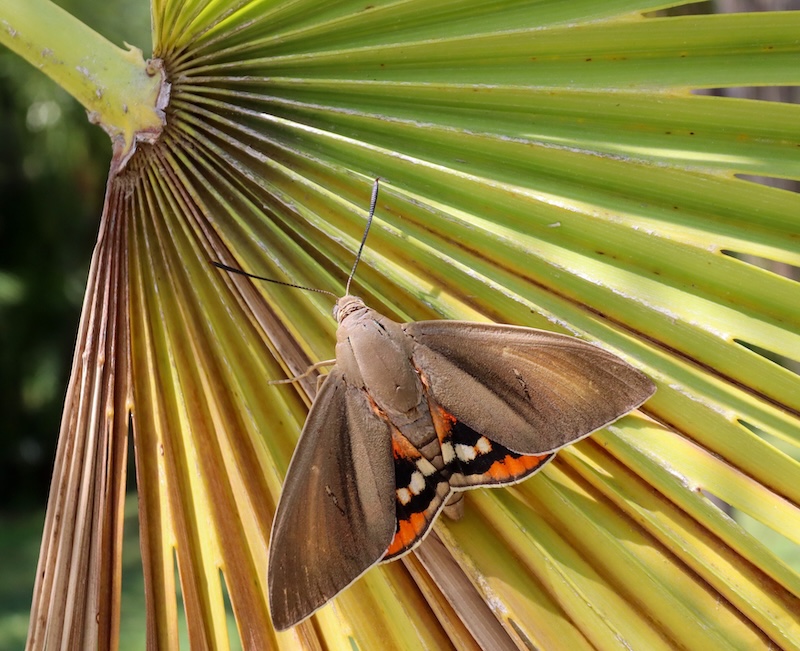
<point>403,495</point>
<point>484,445</point>
<point>425,467</point>
<point>448,453</point>
<point>417,484</point>
<point>465,452</point>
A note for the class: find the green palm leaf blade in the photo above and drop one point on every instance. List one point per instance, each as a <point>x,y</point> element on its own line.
<point>542,164</point>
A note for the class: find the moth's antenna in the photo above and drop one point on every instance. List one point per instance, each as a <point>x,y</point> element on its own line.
<point>234,270</point>
<point>372,203</point>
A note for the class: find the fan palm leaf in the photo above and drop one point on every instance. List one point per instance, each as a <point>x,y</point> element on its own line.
<point>544,164</point>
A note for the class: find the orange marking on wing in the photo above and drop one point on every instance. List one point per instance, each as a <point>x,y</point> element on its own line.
<point>514,466</point>
<point>408,531</point>
<point>402,447</point>
<point>443,420</point>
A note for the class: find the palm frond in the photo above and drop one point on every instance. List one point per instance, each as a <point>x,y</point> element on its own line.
<point>544,164</point>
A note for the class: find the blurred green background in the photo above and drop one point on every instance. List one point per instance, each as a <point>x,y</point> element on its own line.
<point>53,167</point>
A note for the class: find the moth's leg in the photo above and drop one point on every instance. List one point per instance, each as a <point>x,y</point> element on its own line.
<point>308,371</point>
<point>454,508</point>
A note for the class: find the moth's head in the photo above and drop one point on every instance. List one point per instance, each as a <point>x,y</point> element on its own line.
<point>346,306</point>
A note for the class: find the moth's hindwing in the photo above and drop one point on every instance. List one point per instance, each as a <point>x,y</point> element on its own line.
<point>475,460</point>
<point>469,460</point>
<point>420,493</point>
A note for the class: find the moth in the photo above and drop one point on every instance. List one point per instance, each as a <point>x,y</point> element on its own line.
<point>412,413</point>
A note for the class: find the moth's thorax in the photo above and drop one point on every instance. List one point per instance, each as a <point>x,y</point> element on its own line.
<point>374,353</point>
